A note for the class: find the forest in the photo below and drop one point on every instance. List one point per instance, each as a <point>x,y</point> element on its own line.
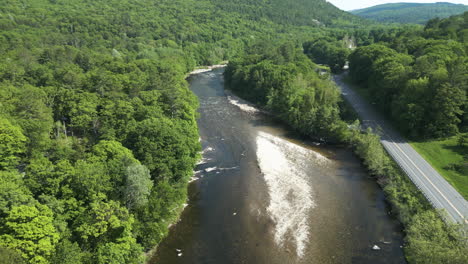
<point>98,133</point>
<point>419,78</point>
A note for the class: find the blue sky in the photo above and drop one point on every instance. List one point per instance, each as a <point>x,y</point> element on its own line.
<point>357,4</point>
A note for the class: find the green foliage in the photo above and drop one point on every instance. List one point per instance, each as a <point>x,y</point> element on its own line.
<point>431,241</point>
<point>138,186</point>
<point>410,12</point>
<point>156,141</point>
<point>152,220</point>
<point>299,12</point>
<point>449,156</point>
<point>26,105</point>
<point>419,80</point>
<point>329,52</point>
<point>98,133</point>
<point>128,252</point>
<point>287,83</point>
<point>454,27</point>
<point>368,147</point>
<point>75,90</point>
<point>13,192</point>
<point>30,229</point>
<point>67,253</point>
<point>12,144</point>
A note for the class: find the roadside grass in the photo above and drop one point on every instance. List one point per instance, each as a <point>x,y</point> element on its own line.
<point>442,155</point>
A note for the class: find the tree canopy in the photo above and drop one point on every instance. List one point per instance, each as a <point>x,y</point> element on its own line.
<point>419,80</point>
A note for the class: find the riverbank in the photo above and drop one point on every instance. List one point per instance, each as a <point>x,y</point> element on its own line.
<point>171,223</point>
<point>202,69</point>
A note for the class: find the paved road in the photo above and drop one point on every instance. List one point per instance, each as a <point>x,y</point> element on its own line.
<point>434,187</point>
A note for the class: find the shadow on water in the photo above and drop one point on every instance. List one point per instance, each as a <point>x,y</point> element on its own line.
<point>231,217</point>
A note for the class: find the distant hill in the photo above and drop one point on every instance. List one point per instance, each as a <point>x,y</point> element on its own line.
<point>410,12</point>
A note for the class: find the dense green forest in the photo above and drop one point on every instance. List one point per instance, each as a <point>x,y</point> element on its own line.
<point>417,13</point>
<point>419,78</point>
<point>299,12</point>
<point>281,79</point>
<point>97,132</point>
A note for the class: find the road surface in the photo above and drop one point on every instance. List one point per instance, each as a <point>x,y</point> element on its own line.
<point>433,186</point>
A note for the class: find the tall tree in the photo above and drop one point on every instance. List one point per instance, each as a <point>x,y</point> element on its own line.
<point>12,144</point>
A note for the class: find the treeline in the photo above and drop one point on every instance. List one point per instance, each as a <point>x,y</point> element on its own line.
<point>420,78</point>
<point>281,79</point>
<point>334,47</point>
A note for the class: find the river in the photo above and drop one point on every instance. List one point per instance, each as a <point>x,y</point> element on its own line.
<point>263,195</point>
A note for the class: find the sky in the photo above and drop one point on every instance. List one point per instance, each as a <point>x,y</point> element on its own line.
<point>358,4</point>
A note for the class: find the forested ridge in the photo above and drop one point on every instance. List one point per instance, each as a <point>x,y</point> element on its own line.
<point>418,13</point>
<point>298,12</point>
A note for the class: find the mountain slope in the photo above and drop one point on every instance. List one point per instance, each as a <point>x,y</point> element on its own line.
<point>297,12</point>
<point>410,12</point>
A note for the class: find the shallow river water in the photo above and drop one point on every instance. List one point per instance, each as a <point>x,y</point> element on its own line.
<point>263,195</point>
